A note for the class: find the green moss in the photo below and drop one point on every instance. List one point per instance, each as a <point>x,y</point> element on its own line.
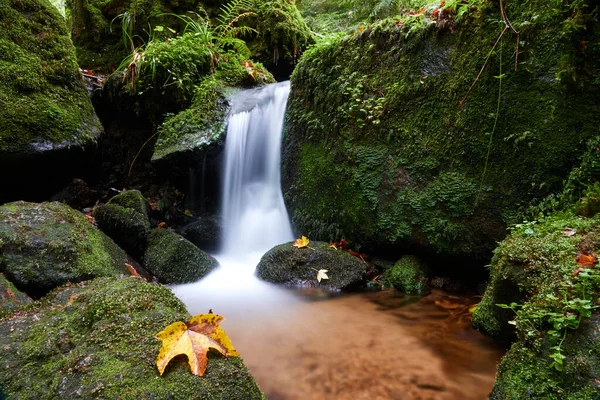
<point>134,200</point>
<point>282,32</point>
<point>48,244</point>
<point>43,101</point>
<point>400,154</point>
<point>11,298</point>
<point>409,275</point>
<point>127,227</point>
<point>173,259</point>
<point>97,340</point>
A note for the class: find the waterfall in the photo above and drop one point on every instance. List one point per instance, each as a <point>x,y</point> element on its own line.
<point>254,215</point>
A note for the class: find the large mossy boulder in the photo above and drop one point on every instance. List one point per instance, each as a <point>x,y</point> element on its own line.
<point>47,122</point>
<point>378,149</point>
<point>97,340</point>
<point>204,233</point>
<point>11,298</point>
<point>409,275</point>
<point>43,246</point>
<point>173,259</point>
<point>289,265</point>
<point>126,219</point>
<point>543,290</point>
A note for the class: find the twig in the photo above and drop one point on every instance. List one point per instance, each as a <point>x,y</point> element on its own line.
<point>138,153</point>
<point>507,25</point>
<point>462,103</point>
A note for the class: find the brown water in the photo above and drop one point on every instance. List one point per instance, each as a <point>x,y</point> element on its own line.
<point>370,346</point>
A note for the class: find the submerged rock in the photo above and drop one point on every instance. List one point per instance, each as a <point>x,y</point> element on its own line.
<point>44,245</point>
<point>173,259</point>
<point>377,149</point>
<point>125,218</point>
<point>290,265</point>
<point>97,340</point>
<point>11,298</point>
<point>409,275</point>
<point>47,122</point>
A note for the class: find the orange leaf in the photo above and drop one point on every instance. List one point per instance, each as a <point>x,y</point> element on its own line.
<point>445,304</point>
<point>586,261</point>
<point>132,270</point>
<point>302,242</point>
<point>194,340</point>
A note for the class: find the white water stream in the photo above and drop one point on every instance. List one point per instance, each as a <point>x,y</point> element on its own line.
<point>254,215</point>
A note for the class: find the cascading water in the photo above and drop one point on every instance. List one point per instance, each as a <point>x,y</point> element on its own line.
<point>254,214</point>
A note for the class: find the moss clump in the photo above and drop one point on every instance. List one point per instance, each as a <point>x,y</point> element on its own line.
<point>409,275</point>
<point>134,200</point>
<point>45,245</point>
<point>290,265</point>
<point>173,259</point>
<point>282,32</point>
<point>43,102</point>
<point>127,227</point>
<point>97,340</point>
<point>11,298</point>
<point>376,113</point>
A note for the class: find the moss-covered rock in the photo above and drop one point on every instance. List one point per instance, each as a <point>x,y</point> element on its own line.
<point>542,293</point>
<point>173,259</point>
<point>529,262</point>
<point>125,218</point>
<point>11,298</point>
<point>42,246</point>
<point>282,35</point>
<point>293,266</point>
<point>524,374</point>
<point>409,275</point>
<point>97,340</point>
<point>378,150</point>
<point>46,118</point>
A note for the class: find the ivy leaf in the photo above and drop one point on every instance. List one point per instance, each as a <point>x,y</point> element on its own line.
<point>302,242</point>
<point>194,339</point>
<point>322,274</point>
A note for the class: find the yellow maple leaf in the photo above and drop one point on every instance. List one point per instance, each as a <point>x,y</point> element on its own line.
<point>194,339</point>
<point>302,242</point>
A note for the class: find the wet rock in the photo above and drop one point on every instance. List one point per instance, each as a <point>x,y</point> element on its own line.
<point>77,195</point>
<point>97,340</point>
<point>409,275</point>
<point>173,259</point>
<point>125,218</point>
<point>47,123</point>
<point>45,245</point>
<point>204,233</point>
<point>10,297</point>
<point>290,265</point>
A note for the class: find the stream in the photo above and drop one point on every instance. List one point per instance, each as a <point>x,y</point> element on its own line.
<point>312,344</point>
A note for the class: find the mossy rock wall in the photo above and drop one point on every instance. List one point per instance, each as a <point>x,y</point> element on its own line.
<point>377,149</point>
<point>97,340</point>
<point>46,118</point>
<point>45,245</point>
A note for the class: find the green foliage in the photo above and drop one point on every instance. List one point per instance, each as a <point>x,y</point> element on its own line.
<point>409,275</point>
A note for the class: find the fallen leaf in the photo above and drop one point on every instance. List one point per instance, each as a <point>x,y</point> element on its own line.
<point>569,232</point>
<point>586,261</point>
<point>194,340</point>
<point>132,270</point>
<point>447,305</point>
<point>473,308</point>
<point>162,224</point>
<point>322,274</point>
<point>188,213</point>
<point>302,242</point>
